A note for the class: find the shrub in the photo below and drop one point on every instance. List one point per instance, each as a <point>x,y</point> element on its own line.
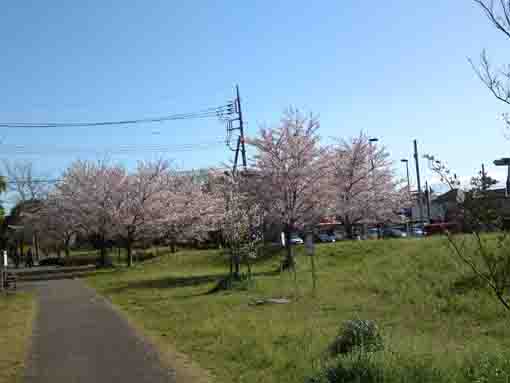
<point>368,367</point>
<point>360,369</point>
<point>358,333</point>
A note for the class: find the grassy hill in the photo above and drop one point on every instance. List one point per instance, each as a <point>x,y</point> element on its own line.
<point>430,309</point>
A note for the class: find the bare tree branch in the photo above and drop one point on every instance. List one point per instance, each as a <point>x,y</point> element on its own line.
<point>501,23</point>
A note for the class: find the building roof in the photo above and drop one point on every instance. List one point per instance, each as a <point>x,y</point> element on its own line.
<point>449,196</point>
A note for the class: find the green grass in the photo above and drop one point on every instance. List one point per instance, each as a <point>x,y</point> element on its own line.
<point>421,297</point>
<point>17,314</point>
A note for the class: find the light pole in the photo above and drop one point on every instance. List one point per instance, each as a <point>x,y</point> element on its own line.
<point>407,173</point>
<point>420,200</point>
<point>505,162</point>
<point>406,161</point>
<point>370,140</point>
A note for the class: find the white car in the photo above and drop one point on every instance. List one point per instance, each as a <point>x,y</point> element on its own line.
<point>296,240</point>
<point>324,237</point>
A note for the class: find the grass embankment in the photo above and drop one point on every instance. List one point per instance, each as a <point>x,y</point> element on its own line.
<point>16,319</point>
<point>424,301</point>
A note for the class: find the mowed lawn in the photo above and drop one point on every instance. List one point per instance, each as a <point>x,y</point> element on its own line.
<point>16,319</point>
<point>425,302</point>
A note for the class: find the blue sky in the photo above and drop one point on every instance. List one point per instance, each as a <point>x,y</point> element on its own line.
<point>396,70</point>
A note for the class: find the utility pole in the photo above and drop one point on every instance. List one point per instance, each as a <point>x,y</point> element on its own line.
<point>405,161</point>
<point>236,115</point>
<point>420,199</point>
<point>241,127</point>
<point>371,155</point>
<point>427,191</point>
<point>484,178</point>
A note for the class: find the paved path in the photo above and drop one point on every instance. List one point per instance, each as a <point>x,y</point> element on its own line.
<point>78,338</point>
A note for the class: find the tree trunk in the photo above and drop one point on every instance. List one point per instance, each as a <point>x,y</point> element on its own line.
<point>248,266</point>
<point>36,244</point>
<point>314,274</point>
<point>129,256</point>
<point>289,254</point>
<point>231,265</point>
<point>173,245</point>
<point>102,254</point>
<point>102,251</point>
<point>349,228</point>
<point>237,264</point>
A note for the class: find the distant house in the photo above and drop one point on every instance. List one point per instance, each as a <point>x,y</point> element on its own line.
<point>446,207</point>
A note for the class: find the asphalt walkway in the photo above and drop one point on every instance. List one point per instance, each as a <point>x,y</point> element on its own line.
<point>79,338</point>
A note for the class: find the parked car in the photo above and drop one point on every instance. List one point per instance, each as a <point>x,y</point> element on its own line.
<point>373,233</point>
<point>325,237</point>
<point>296,240</point>
<point>394,233</point>
<point>339,236</point>
<point>417,232</point>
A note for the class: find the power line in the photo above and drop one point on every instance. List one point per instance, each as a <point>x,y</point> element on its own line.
<point>123,149</point>
<point>56,180</point>
<point>220,112</point>
<point>37,181</point>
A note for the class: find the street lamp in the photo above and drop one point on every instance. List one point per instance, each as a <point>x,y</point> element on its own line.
<point>406,161</point>
<point>505,162</point>
<point>370,140</point>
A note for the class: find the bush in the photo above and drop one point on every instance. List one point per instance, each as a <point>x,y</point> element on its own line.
<point>369,367</point>
<point>365,367</point>
<point>357,333</point>
<point>360,369</point>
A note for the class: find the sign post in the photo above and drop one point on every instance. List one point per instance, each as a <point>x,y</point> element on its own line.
<point>310,250</point>
<point>2,269</point>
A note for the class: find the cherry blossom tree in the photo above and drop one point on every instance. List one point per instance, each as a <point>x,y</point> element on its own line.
<point>142,195</point>
<point>363,184</point>
<point>91,192</point>
<point>290,174</point>
<point>57,224</point>
<point>191,209</point>
<point>241,224</point>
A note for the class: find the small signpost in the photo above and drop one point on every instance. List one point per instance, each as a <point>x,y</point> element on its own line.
<point>310,250</point>
<point>2,270</point>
